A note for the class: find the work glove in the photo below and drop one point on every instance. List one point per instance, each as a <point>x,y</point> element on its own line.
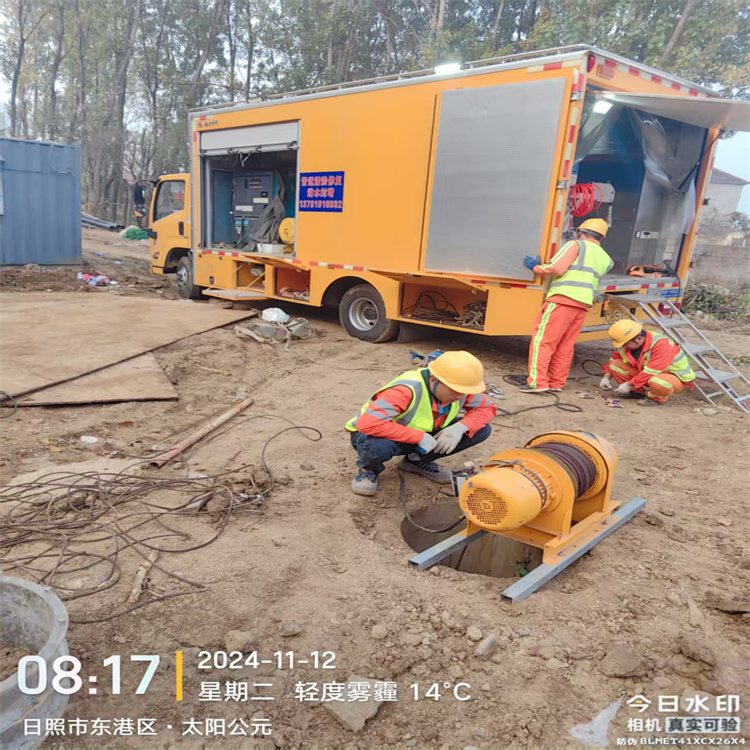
<point>605,384</point>
<point>623,389</point>
<point>530,261</point>
<point>427,443</point>
<point>449,437</point>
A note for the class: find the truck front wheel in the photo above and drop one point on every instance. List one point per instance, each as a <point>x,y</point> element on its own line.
<point>362,314</point>
<point>185,286</point>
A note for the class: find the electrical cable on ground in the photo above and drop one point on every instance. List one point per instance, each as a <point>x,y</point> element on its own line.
<point>6,396</point>
<point>53,522</point>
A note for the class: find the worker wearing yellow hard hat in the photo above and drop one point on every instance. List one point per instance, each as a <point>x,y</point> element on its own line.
<point>645,365</point>
<point>576,270</point>
<point>418,415</point>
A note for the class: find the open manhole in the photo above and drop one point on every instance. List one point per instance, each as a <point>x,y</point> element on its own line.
<point>491,555</point>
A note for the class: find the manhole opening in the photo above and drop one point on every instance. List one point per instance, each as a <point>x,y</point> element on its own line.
<point>491,555</point>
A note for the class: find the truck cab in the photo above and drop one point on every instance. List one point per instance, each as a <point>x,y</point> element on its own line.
<point>169,230</point>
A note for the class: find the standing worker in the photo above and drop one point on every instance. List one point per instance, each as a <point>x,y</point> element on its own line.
<point>645,363</point>
<point>416,415</point>
<point>576,270</point>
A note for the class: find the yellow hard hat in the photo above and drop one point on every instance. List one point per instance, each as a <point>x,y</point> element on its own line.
<point>461,371</point>
<point>623,331</point>
<point>595,225</point>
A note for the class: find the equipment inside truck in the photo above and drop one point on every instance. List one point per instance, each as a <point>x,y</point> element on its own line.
<point>249,179</point>
<point>652,163</point>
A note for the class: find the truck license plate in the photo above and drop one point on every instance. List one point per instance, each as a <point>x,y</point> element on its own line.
<point>612,316</point>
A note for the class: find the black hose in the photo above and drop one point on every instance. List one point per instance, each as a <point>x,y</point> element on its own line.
<point>402,503</point>
<point>5,396</point>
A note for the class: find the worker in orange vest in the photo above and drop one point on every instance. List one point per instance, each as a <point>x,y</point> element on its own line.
<point>576,270</point>
<point>645,363</point>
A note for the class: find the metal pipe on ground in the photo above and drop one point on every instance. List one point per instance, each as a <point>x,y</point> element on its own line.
<point>201,432</point>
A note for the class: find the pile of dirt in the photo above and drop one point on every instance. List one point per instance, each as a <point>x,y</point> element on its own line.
<point>34,278</point>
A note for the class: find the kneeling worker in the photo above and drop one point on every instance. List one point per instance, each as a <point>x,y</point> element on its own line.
<point>576,270</point>
<point>416,415</point>
<point>646,363</point>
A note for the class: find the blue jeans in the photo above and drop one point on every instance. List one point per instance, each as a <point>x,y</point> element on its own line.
<point>374,451</point>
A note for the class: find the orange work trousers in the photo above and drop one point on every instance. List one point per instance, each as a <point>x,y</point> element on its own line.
<point>659,387</point>
<point>553,344</point>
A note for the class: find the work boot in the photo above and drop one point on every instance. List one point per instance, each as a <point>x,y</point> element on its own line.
<point>554,390</point>
<point>530,389</point>
<point>428,469</point>
<point>365,483</point>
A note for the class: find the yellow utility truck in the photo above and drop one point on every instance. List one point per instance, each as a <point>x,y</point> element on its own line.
<point>415,198</point>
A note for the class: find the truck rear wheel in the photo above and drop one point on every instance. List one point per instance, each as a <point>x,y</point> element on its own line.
<point>362,314</point>
<point>185,285</point>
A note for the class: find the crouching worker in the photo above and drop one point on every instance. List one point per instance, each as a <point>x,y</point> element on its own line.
<point>417,415</point>
<point>645,363</point>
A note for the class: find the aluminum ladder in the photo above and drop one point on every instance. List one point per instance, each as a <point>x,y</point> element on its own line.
<point>713,379</point>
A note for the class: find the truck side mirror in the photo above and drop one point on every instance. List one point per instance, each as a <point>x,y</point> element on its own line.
<point>139,196</point>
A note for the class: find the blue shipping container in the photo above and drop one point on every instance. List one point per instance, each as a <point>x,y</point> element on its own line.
<point>40,203</point>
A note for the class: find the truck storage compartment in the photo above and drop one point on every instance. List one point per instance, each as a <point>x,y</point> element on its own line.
<point>652,162</point>
<point>450,304</point>
<point>249,177</point>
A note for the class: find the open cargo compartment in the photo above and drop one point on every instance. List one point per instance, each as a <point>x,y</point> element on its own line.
<point>249,178</point>
<point>652,162</point>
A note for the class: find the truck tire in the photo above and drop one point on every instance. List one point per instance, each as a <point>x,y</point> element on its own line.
<point>362,314</point>
<point>185,286</point>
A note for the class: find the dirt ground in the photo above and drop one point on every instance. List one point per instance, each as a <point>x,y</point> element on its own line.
<point>320,569</point>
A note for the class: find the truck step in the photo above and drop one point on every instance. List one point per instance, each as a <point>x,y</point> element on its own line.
<point>672,322</point>
<point>718,376</point>
<point>234,294</point>
<point>641,298</point>
<point>696,349</point>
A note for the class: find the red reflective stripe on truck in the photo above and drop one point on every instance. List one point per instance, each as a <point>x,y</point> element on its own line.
<point>656,79</point>
<point>634,72</point>
<point>552,66</point>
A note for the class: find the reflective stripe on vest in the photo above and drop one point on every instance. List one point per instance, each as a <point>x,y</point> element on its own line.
<point>680,365</point>
<point>418,414</point>
<point>581,280</point>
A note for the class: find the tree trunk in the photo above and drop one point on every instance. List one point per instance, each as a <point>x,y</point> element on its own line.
<point>54,70</point>
<point>250,51</point>
<point>496,26</point>
<point>17,65</point>
<point>232,41</point>
<point>217,15</point>
<point>677,33</point>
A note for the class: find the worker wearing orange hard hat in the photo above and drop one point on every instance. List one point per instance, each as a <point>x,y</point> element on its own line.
<point>575,270</point>
<point>418,415</point>
<point>645,364</point>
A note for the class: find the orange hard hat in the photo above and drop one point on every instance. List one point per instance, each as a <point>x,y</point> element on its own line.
<point>460,371</point>
<point>595,225</point>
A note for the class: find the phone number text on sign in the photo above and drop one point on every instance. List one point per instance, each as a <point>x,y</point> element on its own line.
<point>321,191</point>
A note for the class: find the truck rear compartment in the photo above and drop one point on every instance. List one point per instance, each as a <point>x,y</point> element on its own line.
<point>652,163</point>
<point>247,194</point>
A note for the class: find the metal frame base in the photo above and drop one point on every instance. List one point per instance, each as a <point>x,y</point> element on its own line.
<point>544,572</point>
<point>433,555</point>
